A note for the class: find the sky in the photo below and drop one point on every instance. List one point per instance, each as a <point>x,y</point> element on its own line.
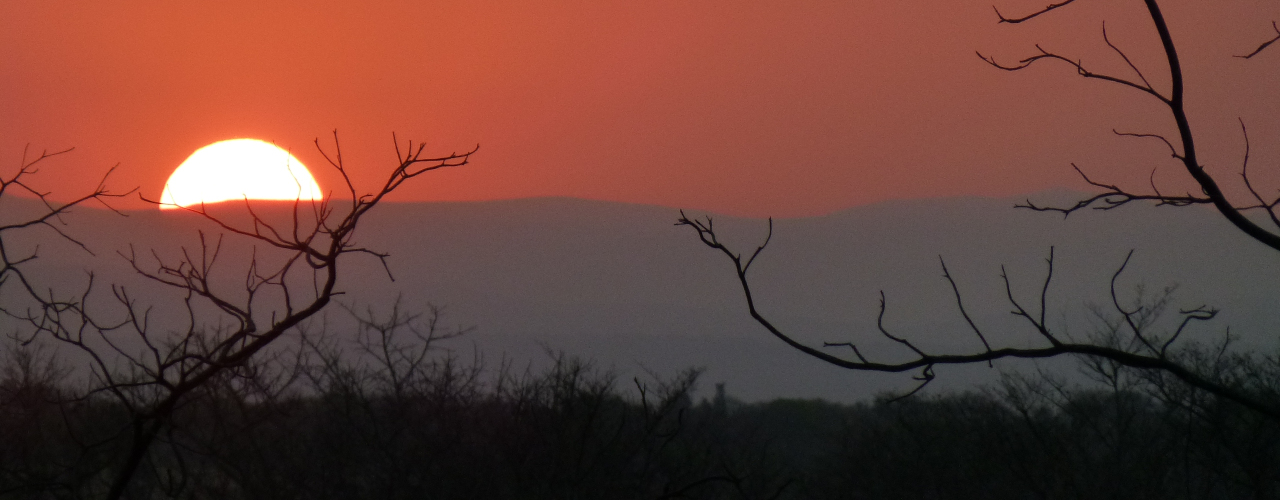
<point>748,107</point>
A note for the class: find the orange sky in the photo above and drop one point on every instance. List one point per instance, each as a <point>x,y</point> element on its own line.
<point>757,108</point>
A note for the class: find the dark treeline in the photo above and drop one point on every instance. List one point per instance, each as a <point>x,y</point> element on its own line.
<point>391,415</point>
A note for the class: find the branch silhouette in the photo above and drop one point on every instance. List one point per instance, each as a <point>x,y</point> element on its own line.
<point>150,372</point>
<point>1142,349</point>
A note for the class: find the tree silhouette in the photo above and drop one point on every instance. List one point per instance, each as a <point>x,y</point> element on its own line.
<point>149,372</point>
<point>1142,347</point>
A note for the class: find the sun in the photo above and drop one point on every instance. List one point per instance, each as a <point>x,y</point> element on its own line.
<point>238,169</point>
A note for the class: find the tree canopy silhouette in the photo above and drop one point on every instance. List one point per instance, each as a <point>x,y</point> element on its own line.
<point>150,371</point>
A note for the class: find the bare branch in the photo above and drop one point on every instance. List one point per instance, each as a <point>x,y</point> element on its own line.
<point>1201,313</point>
<point>1268,206</point>
<point>1128,316</point>
<point>1264,44</point>
<point>1124,56</point>
<point>890,336</point>
<point>1080,69</point>
<point>960,303</point>
<point>926,361</point>
<point>1039,325</point>
<point>1033,15</point>
<point>759,248</point>
<point>1115,197</point>
<point>926,375</point>
<point>1172,151</point>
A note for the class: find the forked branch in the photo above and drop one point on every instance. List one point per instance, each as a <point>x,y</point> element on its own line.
<point>1174,102</point>
<point>1146,357</point>
<point>1080,69</point>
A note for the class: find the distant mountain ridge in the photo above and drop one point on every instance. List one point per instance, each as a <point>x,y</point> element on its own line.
<point>621,284</point>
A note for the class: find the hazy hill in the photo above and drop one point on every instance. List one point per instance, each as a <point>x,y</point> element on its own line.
<point>620,284</point>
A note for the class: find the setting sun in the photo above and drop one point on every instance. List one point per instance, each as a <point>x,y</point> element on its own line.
<point>238,169</point>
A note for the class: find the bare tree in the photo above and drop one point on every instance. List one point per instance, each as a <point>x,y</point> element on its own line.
<point>1141,348</point>
<point>149,371</point>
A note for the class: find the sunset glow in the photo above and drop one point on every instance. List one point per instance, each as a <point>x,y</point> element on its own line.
<point>863,102</point>
<point>238,169</point>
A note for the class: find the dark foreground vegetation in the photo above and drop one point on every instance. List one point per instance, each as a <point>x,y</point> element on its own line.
<point>392,415</point>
